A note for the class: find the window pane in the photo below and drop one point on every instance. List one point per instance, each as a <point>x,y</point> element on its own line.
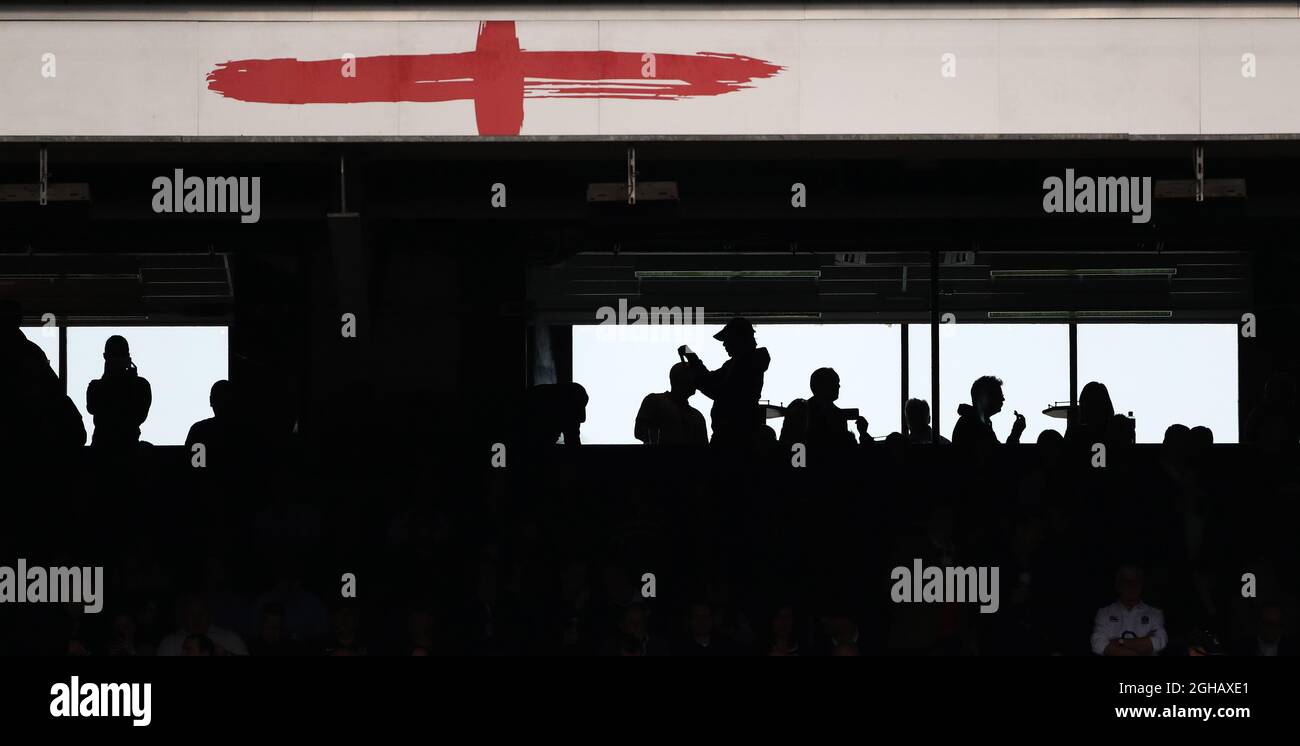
<point>46,338</point>
<point>1033,361</point>
<point>619,365</point>
<point>918,373</point>
<point>180,362</point>
<point>1165,374</point>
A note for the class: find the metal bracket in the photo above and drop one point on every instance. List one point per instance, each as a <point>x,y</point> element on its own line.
<point>1199,157</point>
<point>343,187</point>
<point>43,190</point>
<point>631,176</point>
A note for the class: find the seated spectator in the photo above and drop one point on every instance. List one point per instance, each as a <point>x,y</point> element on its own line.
<point>218,433</point>
<point>668,418</point>
<point>1269,639</point>
<point>271,639</point>
<point>702,636</point>
<point>1090,421</point>
<point>827,422</point>
<point>555,410</point>
<point>198,645</point>
<point>1129,627</point>
<point>783,640</point>
<point>345,637</point>
<point>919,431</point>
<point>194,619</point>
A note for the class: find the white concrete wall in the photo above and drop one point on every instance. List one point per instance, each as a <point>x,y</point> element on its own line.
<point>1054,75</point>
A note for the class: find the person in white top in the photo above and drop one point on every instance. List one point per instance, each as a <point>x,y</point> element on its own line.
<point>1129,626</point>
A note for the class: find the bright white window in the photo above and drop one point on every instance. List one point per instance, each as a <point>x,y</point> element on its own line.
<point>180,362</point>
<point>619,365</point>
<point>1165,374</point>
<point>1033,361</point>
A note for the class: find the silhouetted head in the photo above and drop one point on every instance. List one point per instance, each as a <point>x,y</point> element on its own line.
<point>1128,584</point>
<point>221,398</point>
<point>842,630</point>
<point>577,401</point>
<point>117,353</point>
<point>682,380</point>
<point>986,395</point>
<point>701,620</point>
<point>195,617</point>
<point>783,624</point>
<point>1177,444</point>
<point>272,622</point>
<point>1201,437</point>
<point>737,336</point>
<point>917,412</point>
<point>1270,623</point>
<point>1050,443</point>
<point>197,645</point>
<point>825,384</point>
<point>1177,435</point>
<point>1095,407</point>
<point>635,622</point>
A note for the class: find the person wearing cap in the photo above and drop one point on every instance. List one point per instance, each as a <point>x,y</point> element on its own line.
<point>736,386</point>
<point>1129,626</point>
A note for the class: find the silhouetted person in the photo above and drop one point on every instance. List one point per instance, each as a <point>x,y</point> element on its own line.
<point>917,412</point>
<point>736,386</point>
<point>346,637</point>
<point>782,639</point>
<point>1129,627</point>
<point>218,432</point>
<point>973,420</point>
<point>270,638</point>
<point>198,645</point>
<point>827,423</point>
<point>1090,420</point>
<point>1202,439</point>
<point>34,411</point>
<point>669,418</point>
<point>195,619</point>
<point>702,638</point>
<point>1176,452</point>
<point>556,409</point>
<point>1270,638</point>
<point>120,399</point>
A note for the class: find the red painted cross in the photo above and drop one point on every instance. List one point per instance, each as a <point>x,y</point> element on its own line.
<point>497,76</point>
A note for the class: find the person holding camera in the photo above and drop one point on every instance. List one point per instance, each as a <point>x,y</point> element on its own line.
<point>119,400</point>
<point>736,386</point>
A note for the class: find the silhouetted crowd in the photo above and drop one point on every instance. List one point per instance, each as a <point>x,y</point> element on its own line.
<point>758,543</point>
